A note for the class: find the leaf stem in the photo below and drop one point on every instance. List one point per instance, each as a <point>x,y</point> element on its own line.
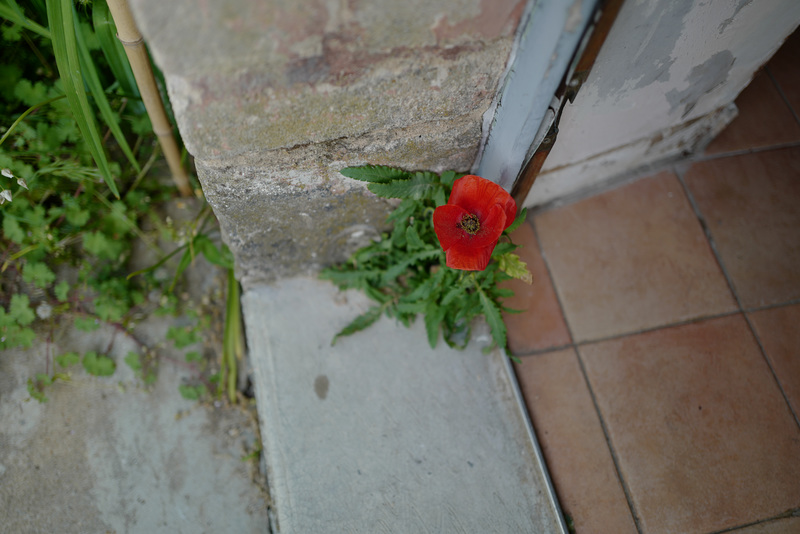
<point>26,113</point>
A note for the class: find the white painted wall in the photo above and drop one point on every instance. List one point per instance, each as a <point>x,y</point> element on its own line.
<point>662,85</point>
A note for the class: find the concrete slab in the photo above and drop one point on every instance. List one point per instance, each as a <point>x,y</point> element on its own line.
<point>104,455</point>
<point>381,434</point>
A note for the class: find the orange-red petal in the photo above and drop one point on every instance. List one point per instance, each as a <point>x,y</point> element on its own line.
<point>477,195</point>
<point>468,258</point>
<point>446,221</point>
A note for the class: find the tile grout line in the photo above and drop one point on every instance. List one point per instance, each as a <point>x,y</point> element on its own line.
<point>728,279</point>
<point>693,320</point>
<point>698,158</point>
<point>665,326</point>
<point>780,91</point>
<point>614,459</point>
<point>789,513</point>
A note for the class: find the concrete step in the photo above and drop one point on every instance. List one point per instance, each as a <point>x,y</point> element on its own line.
<point>382,434</point>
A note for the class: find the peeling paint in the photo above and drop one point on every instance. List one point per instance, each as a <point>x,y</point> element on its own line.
<point>701,80</point>
<point>727,22</point>
<point>657,27</point>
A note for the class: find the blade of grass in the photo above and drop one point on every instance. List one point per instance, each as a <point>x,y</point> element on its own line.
<point>106,32</point>
<point>26,113</point>
<point>11,11</point>
<point>232,346</point>
<point>93,81</point>
<point>60,16</point>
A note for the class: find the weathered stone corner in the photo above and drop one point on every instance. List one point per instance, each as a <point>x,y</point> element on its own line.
<point>274,98</point>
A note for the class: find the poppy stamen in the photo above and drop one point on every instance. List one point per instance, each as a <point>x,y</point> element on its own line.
<point>471,224</point>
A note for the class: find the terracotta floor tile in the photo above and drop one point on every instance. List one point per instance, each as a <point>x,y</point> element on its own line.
<point>778,329</point>
<point>787,525</point>
<point>703,437</point>
<point>631,259</point>
<point>764,120</point>
<point>541,325</point>
<point>750,204</point>
<point>573,443</point>
<point>783,67</point>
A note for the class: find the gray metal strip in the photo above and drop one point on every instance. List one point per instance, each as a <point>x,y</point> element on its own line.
<point>549,34</point>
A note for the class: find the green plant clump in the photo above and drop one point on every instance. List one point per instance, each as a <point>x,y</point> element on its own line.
<point>404,272</point>
<point>75,148</point>
<point>72,203</point>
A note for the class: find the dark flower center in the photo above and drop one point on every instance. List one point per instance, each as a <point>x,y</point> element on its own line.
<point>470,224</point>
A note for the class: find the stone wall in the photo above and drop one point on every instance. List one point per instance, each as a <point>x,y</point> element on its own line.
<point>272,98</point>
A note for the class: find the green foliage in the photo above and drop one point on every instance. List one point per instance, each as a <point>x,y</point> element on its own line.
<point>14,321</point>
<point>60,218</point>
<point>192,393</point>
<point>68,359</point>
<point>193,356</point>
<point>75,147</point>
<point>404,271</point>
<point>98,364</point>
<point>183,336</point>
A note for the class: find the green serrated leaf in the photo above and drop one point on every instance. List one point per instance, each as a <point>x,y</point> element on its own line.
<point>68,359</point>
<point>98,364</point>
<point>452,295</point>
<point>346,279</point>
<point>434,314</point>
<point>360,323</point>
<point>503,248</point>
<point>98,244</point>
<point>514,267</point>
<point>405,210</point>
<point>110,309</point>
<point>518,221</point>
<point>38,274</point>
<point>493,317</point>
<point>412,237</point>
<point>20,311</point>
<point>61,291</point>
<point>448,177</point>
<point>134,361</point>
<point>440,197</point>
<point>192,393</point>
<point>12,230</point>
<point>419,187</point>
<point>377,174</point>
<point>182,336</point>
<point>399,268</point>
<point>87,324</point>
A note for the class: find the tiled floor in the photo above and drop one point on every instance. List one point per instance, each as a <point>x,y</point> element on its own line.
<point>660,349</point>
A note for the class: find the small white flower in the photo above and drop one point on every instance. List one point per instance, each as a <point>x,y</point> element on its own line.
<point>21,182</point>
<point>44,310</point>
<point>5,196</point>
<point>7,173</point>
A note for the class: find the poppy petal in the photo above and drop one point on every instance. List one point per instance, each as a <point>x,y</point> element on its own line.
<point>445,224</point>
<point>491,226</point>
<point>477,195</point>
<point>468,258</point>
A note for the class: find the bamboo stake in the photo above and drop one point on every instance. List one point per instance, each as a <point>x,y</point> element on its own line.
<point>132,40</point>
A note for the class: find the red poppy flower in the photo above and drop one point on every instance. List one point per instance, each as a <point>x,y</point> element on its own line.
<point>471,222</point>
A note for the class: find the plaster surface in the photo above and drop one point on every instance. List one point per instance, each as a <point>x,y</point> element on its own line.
<point>660,87</point>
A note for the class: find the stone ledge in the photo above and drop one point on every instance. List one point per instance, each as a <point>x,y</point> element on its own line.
<point>379,433</point>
